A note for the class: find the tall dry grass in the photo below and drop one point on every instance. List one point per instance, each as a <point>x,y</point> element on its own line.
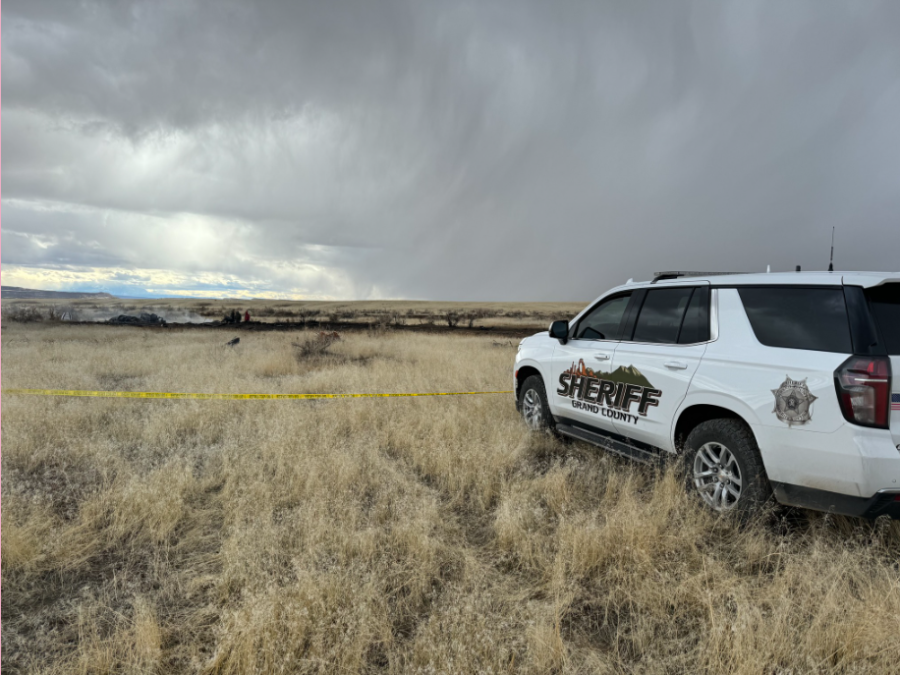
<point>394,535</point>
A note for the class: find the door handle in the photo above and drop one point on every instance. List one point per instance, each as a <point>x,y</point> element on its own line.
<point>676,365</point>
<point>600,356</point>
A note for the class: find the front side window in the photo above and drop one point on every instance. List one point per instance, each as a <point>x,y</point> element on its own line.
<point>799,318</point>
<point>604,320</point>
<point>661,315</point>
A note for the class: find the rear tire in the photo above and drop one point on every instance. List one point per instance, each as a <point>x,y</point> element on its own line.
<point>534,406</point>
<point>723,467</point>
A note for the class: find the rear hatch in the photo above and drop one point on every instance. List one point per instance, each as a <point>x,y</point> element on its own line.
<point>884,303</point>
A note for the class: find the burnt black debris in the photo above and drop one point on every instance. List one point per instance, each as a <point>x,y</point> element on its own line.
<point>143,320</point>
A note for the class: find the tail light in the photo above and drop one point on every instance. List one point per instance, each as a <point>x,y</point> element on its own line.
<point>863,386</point>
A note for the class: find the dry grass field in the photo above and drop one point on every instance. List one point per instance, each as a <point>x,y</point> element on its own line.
<point>417,535</point>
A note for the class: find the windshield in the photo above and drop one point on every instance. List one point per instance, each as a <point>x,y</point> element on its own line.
<point>884,301</point>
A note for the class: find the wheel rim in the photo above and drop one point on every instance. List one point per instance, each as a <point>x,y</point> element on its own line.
<point>532,409</point>
<point>717,476</point>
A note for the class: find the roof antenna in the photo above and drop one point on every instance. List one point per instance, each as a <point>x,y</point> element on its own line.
<point>831,260</point>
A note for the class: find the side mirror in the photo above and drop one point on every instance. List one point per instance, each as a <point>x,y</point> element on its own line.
<point>560,331</point>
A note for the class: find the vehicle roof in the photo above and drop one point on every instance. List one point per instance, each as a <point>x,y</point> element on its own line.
<point>864,279</point>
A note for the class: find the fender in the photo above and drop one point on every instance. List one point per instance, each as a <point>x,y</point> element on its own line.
<point>719,399</point>
<point>539,366</point>
<point>535,352</point>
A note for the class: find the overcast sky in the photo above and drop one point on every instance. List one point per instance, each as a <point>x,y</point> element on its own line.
<point>484,150</point>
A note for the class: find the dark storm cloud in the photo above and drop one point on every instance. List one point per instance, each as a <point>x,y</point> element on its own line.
<point>480,150</point>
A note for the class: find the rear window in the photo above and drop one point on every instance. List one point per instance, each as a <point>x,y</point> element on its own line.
<point>799,318</point>
<point>695,327</point>
<point>661,315</point>
<point>884,302</point>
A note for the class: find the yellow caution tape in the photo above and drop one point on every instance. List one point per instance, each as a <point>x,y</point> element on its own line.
<point>156,394</point>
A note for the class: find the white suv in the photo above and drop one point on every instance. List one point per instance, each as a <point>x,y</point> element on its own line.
<point>764,383</point>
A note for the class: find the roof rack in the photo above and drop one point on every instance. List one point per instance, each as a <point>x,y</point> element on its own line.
<point>662,276</point>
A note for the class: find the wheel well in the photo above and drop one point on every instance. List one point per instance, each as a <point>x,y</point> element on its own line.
<point>697,414</point>
<point>523,374</point>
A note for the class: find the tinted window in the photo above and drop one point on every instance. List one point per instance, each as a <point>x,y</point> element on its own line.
<point>661,315</point>
<point>884,302</point>
<point>695,327</point>
<point>602,322</point>
<point>799,318</point>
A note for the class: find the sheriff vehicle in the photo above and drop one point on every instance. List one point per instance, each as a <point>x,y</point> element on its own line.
<point>763,383</point>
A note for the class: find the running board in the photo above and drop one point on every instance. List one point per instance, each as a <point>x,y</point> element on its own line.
<point>646,456</point>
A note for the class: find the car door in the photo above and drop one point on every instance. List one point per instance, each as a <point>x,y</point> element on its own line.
<point>657,358</point>
<point>577,365</point>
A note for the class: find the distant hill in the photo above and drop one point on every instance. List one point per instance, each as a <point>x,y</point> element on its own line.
<point>16,293</point>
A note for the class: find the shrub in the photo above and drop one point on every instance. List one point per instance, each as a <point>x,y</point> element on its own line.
<point>475,315</point>
<point>317,345</point>
<point>22,314</point>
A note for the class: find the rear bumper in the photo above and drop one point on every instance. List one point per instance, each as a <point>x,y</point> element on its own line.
<point>853,460</point>
<point>883,503</point>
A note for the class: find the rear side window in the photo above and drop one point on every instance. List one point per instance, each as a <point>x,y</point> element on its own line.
<point>603,321</point>
<point>884,303</point>
<point>695,327</point>
<point>799,318</point>
<point>661,315</point>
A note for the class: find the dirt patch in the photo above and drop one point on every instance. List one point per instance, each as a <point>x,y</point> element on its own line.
<point>120,382</point>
